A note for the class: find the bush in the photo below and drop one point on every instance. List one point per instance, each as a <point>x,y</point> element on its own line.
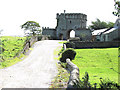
<point>83,84</point>
<point>104,84</point>
<point>108,84</point>
<point>40,38</point>
<point>61,51</point>
<point>68,53</point>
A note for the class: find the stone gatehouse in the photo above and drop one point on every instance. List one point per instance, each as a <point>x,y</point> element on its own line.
<point>66,22</point>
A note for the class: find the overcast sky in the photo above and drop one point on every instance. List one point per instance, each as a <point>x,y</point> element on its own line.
<point>14,13</point>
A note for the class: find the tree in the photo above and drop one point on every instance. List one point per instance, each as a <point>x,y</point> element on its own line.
<point>100,25</point>
<point>32,26</point>
<point>1,31</point>
<point>110,24</point>
<point>117,8</point>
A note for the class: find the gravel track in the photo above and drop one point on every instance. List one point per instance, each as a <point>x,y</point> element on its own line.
<point>36,71</point>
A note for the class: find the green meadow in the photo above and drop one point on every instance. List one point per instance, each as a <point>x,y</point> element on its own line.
<point>99,63</point>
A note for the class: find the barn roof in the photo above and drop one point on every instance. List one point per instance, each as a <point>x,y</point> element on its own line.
<point>98,32</point>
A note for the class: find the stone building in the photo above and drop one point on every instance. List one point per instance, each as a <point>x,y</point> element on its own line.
<point>49,31</point>
<point>110,34</point>
<point>67,22</point>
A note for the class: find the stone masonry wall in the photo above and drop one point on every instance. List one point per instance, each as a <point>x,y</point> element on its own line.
<point>49,31</point>
<point>70,21</point>
<point>74,72</point>
<point>79,44</point>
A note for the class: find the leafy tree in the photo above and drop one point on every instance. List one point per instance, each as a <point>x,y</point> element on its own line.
<point>32,26</point>
<point>100,25</point>
<point>117,8</point>
<point>110,24</point>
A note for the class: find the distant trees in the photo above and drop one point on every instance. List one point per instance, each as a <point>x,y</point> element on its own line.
<point>117,8</point>
<point>32,27</point>
<point>1,31</point>
<point>100,25</point>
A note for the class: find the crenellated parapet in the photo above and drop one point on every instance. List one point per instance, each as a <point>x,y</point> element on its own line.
<point>47,28</point>
<point>72,16</point>
<point>49,31</point>
<point>67,21</point>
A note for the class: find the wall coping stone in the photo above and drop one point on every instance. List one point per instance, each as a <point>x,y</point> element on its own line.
<point>74,73</point>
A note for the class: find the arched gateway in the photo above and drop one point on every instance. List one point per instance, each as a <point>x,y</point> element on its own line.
<point>70,33</point>
<point>66,22</point>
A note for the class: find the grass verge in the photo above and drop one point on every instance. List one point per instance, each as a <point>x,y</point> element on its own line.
<point>12,48</point>
<point>8,63</point>
<point>62,42</point>
<point>61,80</point>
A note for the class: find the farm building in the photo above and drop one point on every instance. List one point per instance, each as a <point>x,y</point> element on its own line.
<point>111,34</point>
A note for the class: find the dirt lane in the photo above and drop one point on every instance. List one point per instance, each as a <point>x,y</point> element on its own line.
<point>36,71</point>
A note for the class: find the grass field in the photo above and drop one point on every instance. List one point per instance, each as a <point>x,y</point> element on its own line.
<point>12,47</point>
<point>99,63</point>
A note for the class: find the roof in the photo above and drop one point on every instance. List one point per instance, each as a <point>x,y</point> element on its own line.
<point>98,32</point>
<point>113,29</point>
<point>105,31</point>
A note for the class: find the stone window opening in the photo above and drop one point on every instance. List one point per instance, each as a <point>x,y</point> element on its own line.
<point>70,22</point>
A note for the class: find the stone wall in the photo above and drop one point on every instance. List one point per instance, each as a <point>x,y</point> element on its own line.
<point>113,35</point>
<point>70,21</point>
<point>84,35</point>
<point>28,44</point>
<point>49,31</point>
<point>79,44</point>
<point>74,73</point>
<point>32,40</point>
<point>110,36</point>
